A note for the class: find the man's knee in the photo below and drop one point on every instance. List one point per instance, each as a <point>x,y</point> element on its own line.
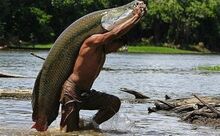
<point>116,103</point>
<point>110,106</point>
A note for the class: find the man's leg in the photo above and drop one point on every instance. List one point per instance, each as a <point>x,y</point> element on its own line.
<point>106,104</point>
<point>70,107</point>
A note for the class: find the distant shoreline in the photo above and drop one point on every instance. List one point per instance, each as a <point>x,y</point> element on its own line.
<point>130,49</point>
<point>159,50</point>
<point>137,48</point>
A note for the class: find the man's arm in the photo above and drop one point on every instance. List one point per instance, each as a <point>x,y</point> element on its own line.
<point>100,39</point>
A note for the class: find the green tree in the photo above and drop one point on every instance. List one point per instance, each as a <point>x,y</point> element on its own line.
<point>177,21</point>
<point>41,28</point>
<point>4,10</point>
<point>181,22</point>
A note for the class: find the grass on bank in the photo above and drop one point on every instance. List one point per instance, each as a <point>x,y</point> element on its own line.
<point>38,46</point>
<point>131,49</point>
<point>209,68</point>
<point>32,46</point>
<point>156,49</point>
<point>43,46</point>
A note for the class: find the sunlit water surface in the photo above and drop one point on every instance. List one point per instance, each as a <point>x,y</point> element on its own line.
<point>151,74</point>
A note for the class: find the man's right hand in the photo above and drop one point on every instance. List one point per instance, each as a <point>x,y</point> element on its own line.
<point>118,31</point>
<point>139,9</point>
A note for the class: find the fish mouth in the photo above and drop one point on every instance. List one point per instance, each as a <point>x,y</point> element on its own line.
<point>116,16</point>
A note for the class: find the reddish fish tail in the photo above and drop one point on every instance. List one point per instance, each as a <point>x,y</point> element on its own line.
<point>40,125</point>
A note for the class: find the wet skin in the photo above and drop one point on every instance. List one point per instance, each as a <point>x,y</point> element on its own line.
<point>93,51</point>
<point>87,67</point>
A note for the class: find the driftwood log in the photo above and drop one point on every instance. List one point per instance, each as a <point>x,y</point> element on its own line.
<point>135,93</point>
<point>35,55</point>
<point>8,75</point>
<point>196,110</point>
<point>15,94</point>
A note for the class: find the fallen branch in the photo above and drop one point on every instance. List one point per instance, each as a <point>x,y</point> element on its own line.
<point>166,103</point>
<point>150,110</point>
<point>167,97</point>
<point>136,94</point>
<point>201,113</point>
<point>162,106</point>
<point>191,110</point>
<point>209,106</point>
<point>33,54</point>
<point>7,75</point>
<point>184,108</point>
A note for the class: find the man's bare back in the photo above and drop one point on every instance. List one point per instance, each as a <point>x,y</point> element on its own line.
<point>93,51</point>
<point>88,66</point>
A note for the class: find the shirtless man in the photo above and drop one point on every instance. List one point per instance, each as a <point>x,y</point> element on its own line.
<point>76,93</point>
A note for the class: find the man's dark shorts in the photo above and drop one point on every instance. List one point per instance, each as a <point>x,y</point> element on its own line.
<point>106,104</point>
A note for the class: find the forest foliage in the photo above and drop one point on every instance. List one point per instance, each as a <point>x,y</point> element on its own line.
<point>177,22</point>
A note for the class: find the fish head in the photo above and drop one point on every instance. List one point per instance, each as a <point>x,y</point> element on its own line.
<point>115,16</point>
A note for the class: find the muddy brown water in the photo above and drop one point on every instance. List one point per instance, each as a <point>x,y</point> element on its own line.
<point>154,75</point>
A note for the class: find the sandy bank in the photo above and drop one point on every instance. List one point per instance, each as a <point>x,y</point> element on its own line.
<point>15,94</point>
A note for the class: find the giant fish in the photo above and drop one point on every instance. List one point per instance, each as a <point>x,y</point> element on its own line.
<point>61,58</point>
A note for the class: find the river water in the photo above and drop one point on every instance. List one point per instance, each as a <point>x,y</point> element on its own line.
<point>154,75</point>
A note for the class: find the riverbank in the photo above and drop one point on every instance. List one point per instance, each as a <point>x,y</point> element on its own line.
<point>158,50</point>
<point>210,68</point>
<point>202,111</point>
<point>31,47</point>
<point>130,49</point>
<point>19,94</point>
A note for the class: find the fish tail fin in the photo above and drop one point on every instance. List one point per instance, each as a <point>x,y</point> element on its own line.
<point>40,121</point>
<point>40,127</point>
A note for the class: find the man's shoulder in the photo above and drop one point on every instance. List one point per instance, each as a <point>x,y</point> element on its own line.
<point>93,40</point>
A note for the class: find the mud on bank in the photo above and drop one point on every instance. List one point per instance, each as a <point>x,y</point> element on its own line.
<point>15,94</point>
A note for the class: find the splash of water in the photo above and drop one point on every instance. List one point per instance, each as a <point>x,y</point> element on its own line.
<point>118,124</point>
